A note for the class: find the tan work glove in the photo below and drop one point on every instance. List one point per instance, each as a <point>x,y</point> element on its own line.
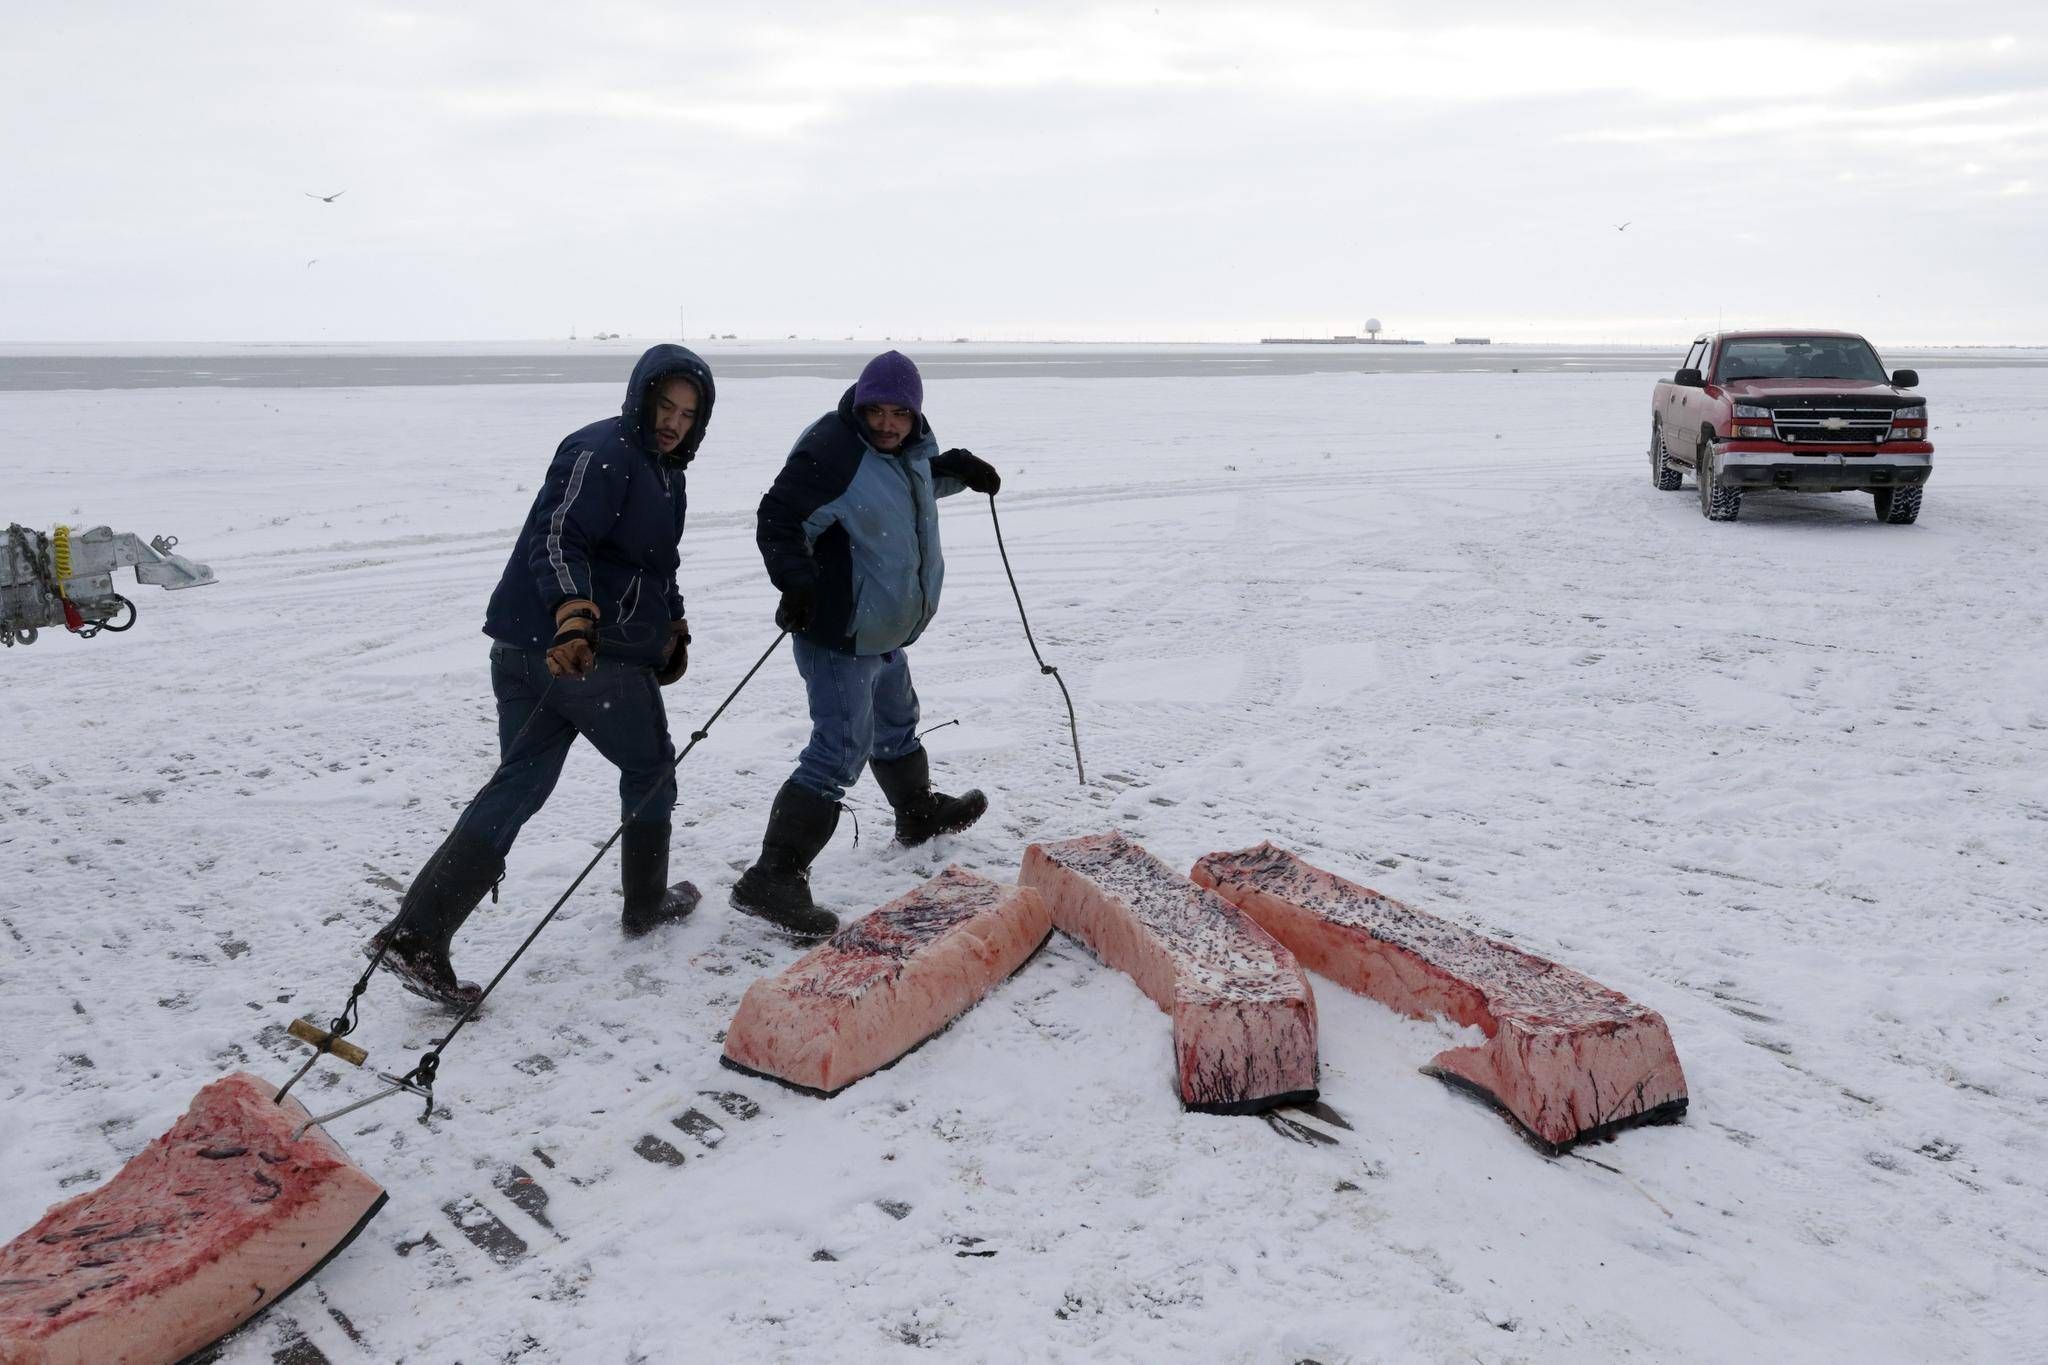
<point>675,660</point>
<point>574,652</point>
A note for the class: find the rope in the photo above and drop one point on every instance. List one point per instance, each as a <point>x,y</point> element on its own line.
<point>424,1071</point>
<point>1043,666</point>
<point>345,1022</point>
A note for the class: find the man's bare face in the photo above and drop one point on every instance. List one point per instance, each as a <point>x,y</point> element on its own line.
<point>675,412</point>
<point>888,426</point>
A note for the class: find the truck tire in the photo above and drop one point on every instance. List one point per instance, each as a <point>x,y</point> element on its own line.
<point>1897,506</point>
<point>1717,502</point>
<point>1662,477</point>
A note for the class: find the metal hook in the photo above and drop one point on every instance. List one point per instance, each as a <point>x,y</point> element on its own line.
<point>394,1085</point>
<point>326,1043</point>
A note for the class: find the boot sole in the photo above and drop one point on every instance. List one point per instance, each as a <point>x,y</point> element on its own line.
<point>414,985</point>
<point>452,1004</point>
<point>942,830</point>
<point>676,905</point>
<point>775,926</point>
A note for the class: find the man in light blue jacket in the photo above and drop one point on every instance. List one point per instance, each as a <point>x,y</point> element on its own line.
<point>850,535</point>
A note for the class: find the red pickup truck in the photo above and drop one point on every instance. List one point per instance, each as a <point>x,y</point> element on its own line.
<point>1813,411</point>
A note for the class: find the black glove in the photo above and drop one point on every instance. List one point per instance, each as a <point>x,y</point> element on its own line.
<point>675,660</point>
<point>968,467</point>
<point>797,605</point>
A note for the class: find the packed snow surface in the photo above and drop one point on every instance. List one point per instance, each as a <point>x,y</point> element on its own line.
<point>1783,780</point>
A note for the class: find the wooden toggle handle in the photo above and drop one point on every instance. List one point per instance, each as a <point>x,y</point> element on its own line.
<point>306,1031</point>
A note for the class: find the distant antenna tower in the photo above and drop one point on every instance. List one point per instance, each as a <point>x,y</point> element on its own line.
<point>1372,328</point>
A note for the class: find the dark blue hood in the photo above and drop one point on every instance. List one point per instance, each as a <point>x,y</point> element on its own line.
<point>664,362</point>
<point>606,525</point>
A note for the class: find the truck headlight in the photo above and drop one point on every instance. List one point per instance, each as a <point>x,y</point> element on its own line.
<point>1916,413</point>
<point>1752,410</point>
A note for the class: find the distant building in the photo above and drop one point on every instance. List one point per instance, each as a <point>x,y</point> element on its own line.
<point>1340,341</point>
<point>1372,337</point>
<point>1472,341</point>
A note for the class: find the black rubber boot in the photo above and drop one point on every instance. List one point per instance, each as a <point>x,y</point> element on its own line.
<point>921,813</point>
<point>415,944</point>
<point>778,887</point>
<point>643,873</point>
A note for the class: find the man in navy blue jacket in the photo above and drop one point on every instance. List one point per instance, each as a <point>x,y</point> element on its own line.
<point>850,534</point>
<point>588,626</point>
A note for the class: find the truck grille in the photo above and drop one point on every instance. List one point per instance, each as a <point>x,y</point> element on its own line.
<point>1832,426</point>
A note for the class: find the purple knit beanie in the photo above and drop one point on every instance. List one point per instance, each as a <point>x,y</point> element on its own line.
<point>890,378</point>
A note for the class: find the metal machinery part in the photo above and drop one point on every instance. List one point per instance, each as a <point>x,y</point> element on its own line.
<point>66,578</point>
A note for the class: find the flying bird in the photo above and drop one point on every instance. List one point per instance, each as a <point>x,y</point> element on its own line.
<point>310,264</point>
<point>1623,227</point>
<point>325,198</point>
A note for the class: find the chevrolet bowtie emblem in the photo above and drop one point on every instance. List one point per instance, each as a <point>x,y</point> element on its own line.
<point>1834,423</point>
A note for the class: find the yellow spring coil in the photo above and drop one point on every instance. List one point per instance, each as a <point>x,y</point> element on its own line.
<point>61,539</point>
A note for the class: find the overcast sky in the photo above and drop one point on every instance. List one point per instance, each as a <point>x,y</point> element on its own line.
<point>1169,171</point>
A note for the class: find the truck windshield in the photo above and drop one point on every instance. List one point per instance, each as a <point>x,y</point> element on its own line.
<point>1800,358</point>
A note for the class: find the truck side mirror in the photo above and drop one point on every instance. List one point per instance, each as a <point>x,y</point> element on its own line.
<point>1905,379</point>
<point>1689,379</point>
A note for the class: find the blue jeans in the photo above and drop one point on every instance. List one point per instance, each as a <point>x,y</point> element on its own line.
<point>616,706</point>
<point>862,707</point>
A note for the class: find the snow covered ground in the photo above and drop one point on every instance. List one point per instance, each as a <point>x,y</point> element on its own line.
<point>1785,780</point>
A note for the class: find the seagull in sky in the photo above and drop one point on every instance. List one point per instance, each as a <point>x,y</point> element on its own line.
<point>1623,227</point>
<point>325,198</point>
<point>310,264</point>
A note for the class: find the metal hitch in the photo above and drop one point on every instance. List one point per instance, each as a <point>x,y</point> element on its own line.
<point>66,578</point>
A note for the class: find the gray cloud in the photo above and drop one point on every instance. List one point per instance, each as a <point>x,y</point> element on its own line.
<point>1192,171</point>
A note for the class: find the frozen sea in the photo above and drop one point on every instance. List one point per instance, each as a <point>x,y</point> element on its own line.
<point>1784,780</point>
<point>33,368</point>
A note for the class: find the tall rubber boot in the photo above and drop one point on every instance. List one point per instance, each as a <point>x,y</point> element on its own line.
<point>921,813</point>
<point>778,887</point>
<point>415,944</point>
<point>643,874</point>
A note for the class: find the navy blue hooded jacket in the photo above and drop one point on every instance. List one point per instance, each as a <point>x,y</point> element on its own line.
<point>606,524</point>
<point>861,529</point>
